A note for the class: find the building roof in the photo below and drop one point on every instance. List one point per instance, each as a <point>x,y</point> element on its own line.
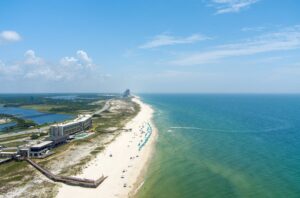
<point>24,149</point>
<point>8,152</point>
<point>80,118</point>
<point>45,143</point>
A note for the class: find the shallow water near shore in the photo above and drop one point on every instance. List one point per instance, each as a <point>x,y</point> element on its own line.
<point>224,146</point>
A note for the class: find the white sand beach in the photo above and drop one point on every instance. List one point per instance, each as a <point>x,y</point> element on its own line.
<point>123,161</point>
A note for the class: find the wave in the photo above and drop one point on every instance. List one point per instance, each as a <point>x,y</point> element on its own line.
<point>231,131</point>
<point>138,188</point>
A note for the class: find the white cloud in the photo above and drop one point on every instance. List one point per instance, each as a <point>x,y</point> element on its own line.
<point>67,61</point>
<point>165,40</point>
<point>9,70</point>
<point>82,59</point>
<point>44,73</point>
<point>83,56</point>
<point>229,6</point>
<point>9,36</point>
<point>286,39</point>
<point>32,59</point>
<point>34,67</point>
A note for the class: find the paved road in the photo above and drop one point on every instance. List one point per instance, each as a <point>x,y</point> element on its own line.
<point>104,108</point>
<point>27,131</point>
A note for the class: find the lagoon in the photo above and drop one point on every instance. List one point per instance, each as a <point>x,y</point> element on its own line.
<point>34,115</point>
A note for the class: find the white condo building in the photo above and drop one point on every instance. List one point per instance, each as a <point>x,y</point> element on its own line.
<point>60,132</point>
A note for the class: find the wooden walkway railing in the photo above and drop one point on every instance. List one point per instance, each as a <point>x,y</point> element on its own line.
<point>88,183</point>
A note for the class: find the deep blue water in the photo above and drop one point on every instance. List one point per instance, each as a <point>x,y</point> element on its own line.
<point>2,126</point>
<point>225,146</point>
<point>64,97</point>
<point>37,116</point>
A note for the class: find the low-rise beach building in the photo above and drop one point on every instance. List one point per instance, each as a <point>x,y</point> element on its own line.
<point>60,132</point>
<point>40,149</point>
<point>36,150</point>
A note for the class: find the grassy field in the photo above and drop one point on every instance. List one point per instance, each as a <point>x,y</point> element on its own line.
<point>14,174</point>
<point>14,141</point>
<point>18,174</point>
<point>12,144</point>
<point>43,107</point>
<point>64,108</point>
<point>15,137</point>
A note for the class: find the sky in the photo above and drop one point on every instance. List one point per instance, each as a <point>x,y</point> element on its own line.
<point>150,46</point>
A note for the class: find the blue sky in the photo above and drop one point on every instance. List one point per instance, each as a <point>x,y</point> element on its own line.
<point>207,46</point>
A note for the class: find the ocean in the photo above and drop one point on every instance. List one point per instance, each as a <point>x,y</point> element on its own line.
<point>230,145</point>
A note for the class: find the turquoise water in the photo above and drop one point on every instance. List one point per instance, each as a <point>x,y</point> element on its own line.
<point>82,135</point>
<point>225,146</point>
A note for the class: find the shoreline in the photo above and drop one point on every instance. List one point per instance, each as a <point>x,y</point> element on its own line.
<point>141,177</point>
<point>121,161</point>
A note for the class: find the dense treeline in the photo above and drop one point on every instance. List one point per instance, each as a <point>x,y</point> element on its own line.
<point>80,102</point>
<point>30,99</point>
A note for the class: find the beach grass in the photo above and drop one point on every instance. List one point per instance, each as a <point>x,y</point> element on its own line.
<point>14,174</point>
<point>15,137</point>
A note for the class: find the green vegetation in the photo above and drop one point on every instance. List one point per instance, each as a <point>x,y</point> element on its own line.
<point>97,150</point>
<point>18,174</point>
<point>101,125</point>
<point>67,107</point>
<point>53,103</point>
<point>14,141</point>
<point>12,144</point>
<point>15,137</point>
<point>50,103</point>
<point>76,168</point>
<point>42,107</point>
<point>21,123</point>
<point>35,136</point>
<point>14,174</point>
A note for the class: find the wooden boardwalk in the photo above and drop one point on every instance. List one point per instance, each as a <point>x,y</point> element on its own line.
<point>88,183</point>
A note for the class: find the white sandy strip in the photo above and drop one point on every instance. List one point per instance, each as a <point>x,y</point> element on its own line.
<point>124,147</point>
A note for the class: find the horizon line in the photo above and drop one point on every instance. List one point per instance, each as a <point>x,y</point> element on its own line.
<point>137,93</point>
